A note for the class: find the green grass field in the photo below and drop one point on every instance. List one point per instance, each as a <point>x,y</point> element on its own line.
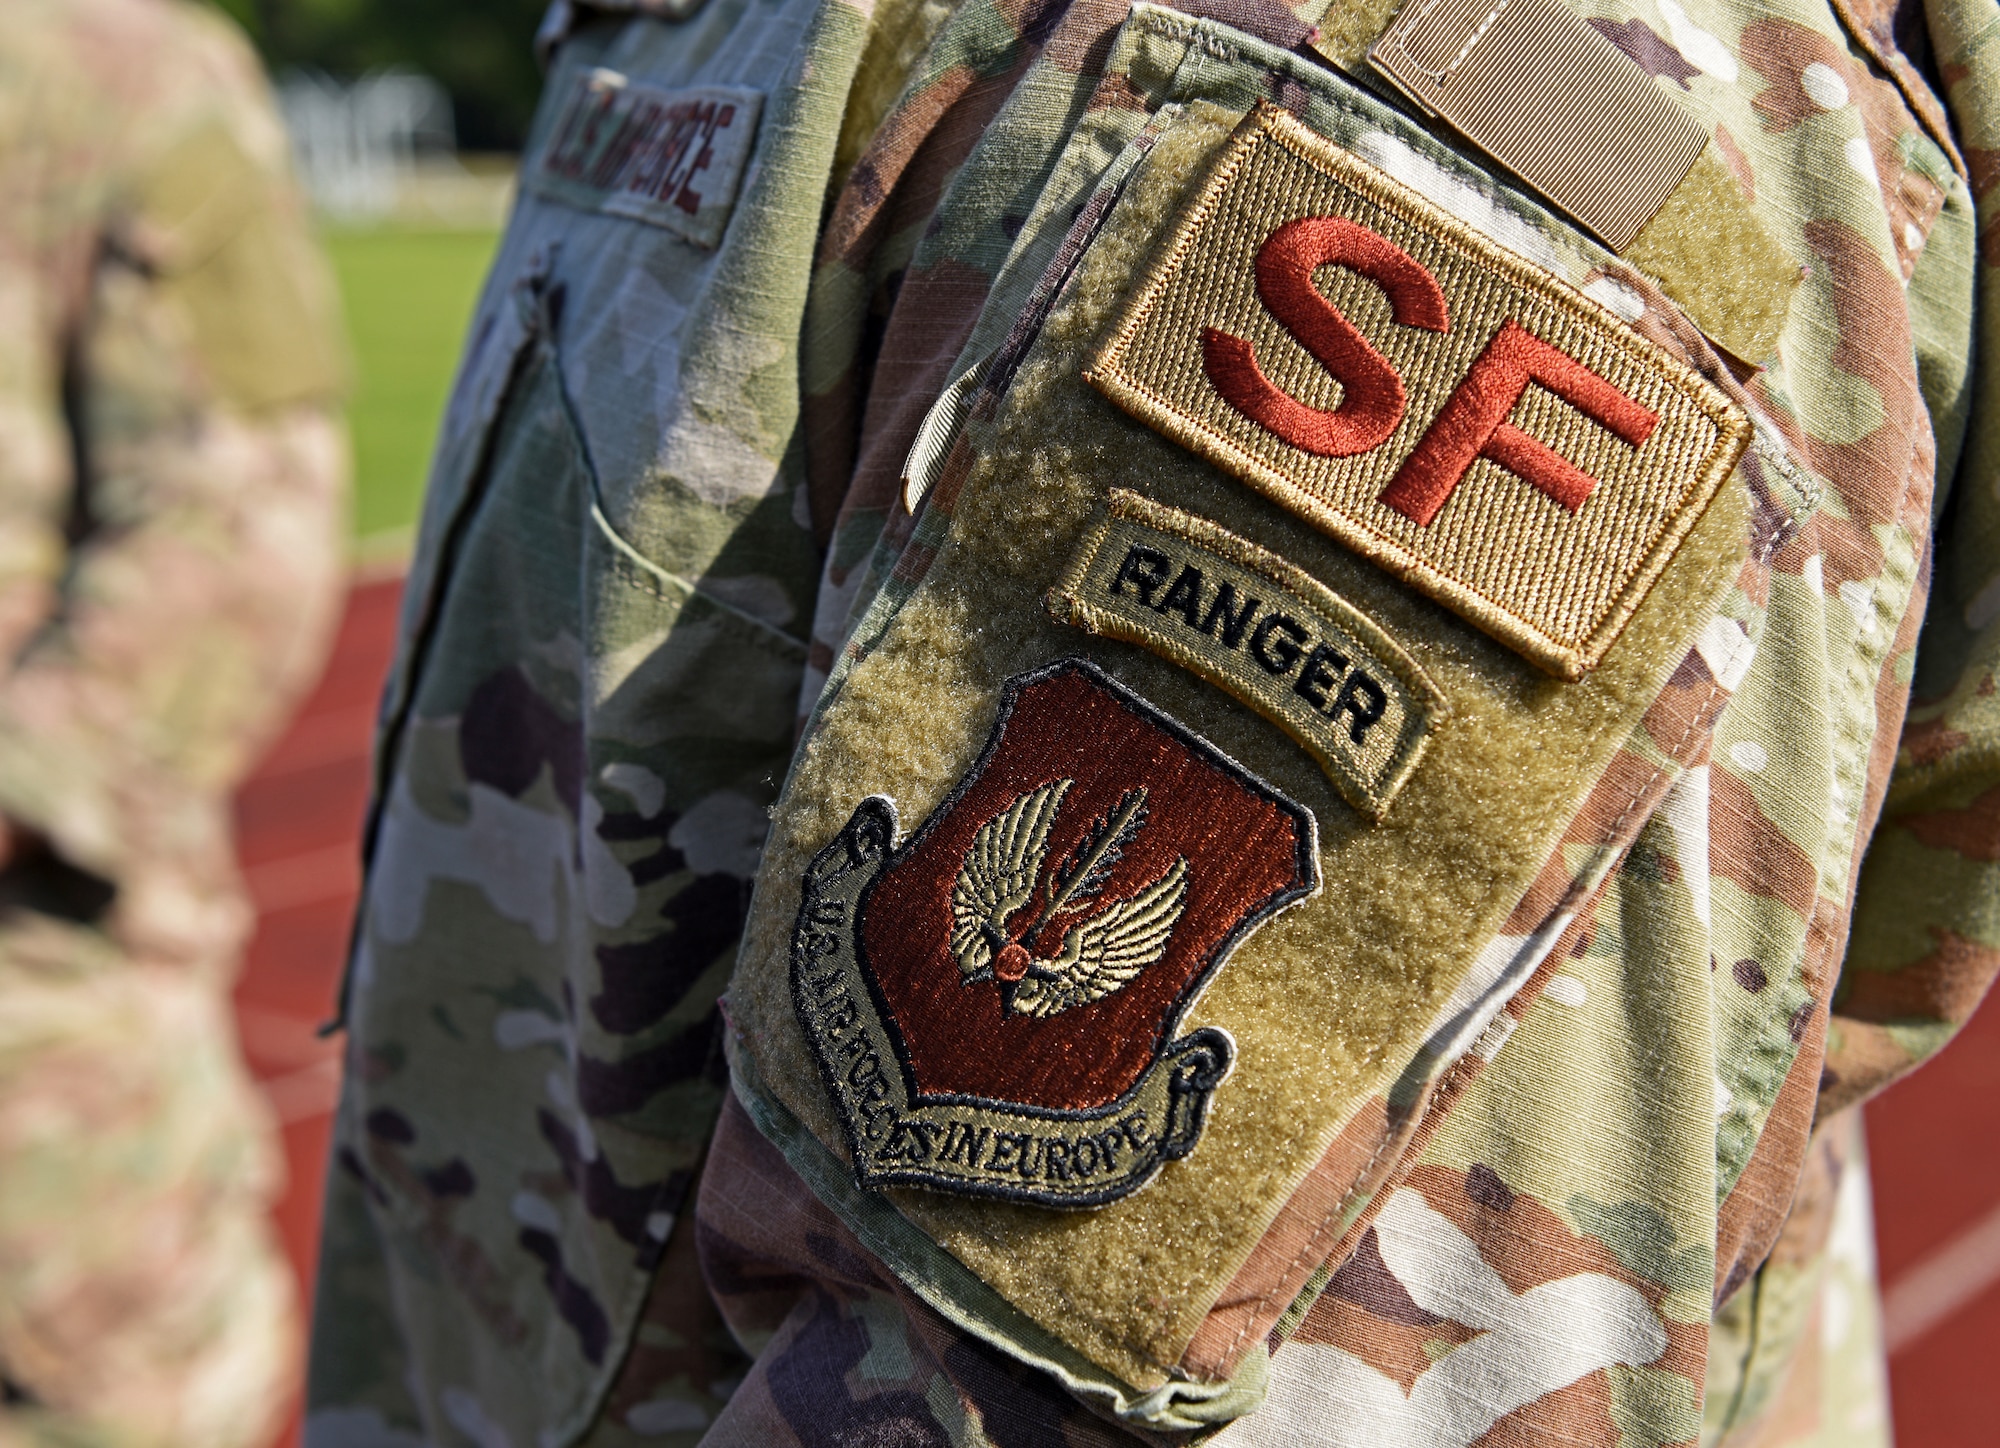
<point>409,295</point>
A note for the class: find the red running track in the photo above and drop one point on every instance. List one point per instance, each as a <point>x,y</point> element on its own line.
<point>298,823</point>
<point>1936,1176</point>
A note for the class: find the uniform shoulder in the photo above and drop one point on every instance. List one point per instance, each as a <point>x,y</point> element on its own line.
<point>134,76</point>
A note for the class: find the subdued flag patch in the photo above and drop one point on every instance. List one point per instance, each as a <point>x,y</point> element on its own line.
<point>672,158</point>
<point>1544,93</point>
<point>994,1003</point>
<point>1431,399</point>
<point>1261,629</point>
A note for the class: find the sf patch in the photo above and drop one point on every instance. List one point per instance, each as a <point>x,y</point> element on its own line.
<point>995,1003</point>
<point>1432,400</point>
<point>1261,629</point>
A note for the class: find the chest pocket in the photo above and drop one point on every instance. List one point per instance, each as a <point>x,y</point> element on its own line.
<point>1157,547</point>
<point>574,767</point>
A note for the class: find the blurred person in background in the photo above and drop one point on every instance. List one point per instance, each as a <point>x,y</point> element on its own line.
<point>173,475</point>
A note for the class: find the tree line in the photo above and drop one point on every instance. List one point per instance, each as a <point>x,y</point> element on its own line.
<point>481,51</point>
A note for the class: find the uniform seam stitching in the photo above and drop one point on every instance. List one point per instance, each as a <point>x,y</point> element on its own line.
<point>1110,372</point>
<point>1604,838</point>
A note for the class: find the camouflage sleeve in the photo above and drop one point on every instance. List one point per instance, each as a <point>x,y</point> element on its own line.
<point>1633,1126</point>
<point>175,475</point>
<point>38,293</point>
<point>1925,941</point>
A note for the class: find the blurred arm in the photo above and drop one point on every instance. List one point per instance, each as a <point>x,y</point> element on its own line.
<point>173,526</point>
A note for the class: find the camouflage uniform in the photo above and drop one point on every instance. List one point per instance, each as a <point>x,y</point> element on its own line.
<point>173,484</point>
<point>1595,1178</point>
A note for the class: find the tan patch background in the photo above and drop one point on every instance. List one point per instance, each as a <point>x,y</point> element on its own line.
<point>1554,585</point>
<point>1370,773</point>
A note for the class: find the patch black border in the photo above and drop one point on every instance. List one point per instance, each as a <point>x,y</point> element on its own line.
<point>1201,1060</point>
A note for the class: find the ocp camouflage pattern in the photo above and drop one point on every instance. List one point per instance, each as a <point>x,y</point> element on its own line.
<point>1630,1210</point>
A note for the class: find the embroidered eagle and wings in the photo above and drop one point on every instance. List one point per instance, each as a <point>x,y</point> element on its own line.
<point>998,1002</point>
<point>1099,954</point>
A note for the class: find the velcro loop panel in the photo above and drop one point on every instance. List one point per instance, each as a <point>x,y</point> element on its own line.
<point>1332,1009</point>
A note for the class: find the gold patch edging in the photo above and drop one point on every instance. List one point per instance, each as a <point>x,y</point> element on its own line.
<point>1566,660</point>
<point>1066,603</point>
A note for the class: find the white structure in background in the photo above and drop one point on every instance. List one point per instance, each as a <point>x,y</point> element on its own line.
<point>360,146</point>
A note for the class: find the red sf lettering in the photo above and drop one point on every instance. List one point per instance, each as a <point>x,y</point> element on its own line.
<point>1372,398</point>
<point>1473,424</point>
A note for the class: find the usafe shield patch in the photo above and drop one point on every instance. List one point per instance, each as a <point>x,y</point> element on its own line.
<point>1434,401</point>
<point>672,158</point>
<point>1265,631</point>
<point>994,1003</point>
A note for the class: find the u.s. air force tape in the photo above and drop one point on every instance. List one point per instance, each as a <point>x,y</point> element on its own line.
<point>670,158</point>
<point>1261,629</point>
